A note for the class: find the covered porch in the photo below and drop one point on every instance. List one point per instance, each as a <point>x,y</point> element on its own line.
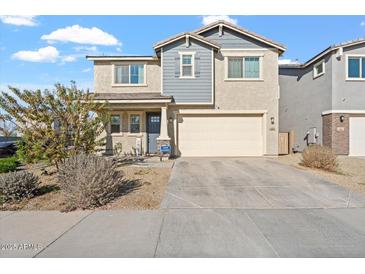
<point>138,124</point>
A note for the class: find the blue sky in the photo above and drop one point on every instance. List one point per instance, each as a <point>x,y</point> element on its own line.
<point>40,51</point>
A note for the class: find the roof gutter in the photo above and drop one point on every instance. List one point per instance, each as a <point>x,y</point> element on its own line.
<point>121,58</point>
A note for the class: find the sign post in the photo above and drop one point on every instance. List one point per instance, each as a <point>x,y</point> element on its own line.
<point>164,150</point>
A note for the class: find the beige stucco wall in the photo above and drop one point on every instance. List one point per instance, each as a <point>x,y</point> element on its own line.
<point>252,95</point>
<point>127,139</point>
<point>103,77</point>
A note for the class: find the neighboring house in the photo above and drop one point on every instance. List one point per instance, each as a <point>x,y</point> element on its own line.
<point>323,100</point>
<point>210,92</point>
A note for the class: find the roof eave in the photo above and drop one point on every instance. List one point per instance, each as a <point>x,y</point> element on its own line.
<point>329,50</point>
<point>121,58</point>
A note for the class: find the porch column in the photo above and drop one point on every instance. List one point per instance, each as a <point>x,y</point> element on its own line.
<point>163,139</point>
<point>163,131</point>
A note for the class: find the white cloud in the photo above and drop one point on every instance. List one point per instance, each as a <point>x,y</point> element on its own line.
<point>69,58</point>
<point>213,18</point>
<point>87,49</point>
<point>81,35</point>
<point>362,23</point>
<point>288,62</point>
<point>86,70</point>
<point>118,49</point>
<point>43,55</point>
<point>19,20</point>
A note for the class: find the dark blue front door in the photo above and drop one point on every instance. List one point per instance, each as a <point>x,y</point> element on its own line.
<point>153,130</point>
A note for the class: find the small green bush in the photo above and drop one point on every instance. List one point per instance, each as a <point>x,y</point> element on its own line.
<point>316,156</point>
<point>28,153</point>
<point>8,164</point>
<point>18,185</point>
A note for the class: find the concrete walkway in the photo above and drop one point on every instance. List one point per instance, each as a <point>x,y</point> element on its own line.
<point>185,233</point>
<point>220,208</point>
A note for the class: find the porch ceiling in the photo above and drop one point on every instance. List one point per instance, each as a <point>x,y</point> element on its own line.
<point>133,98</point>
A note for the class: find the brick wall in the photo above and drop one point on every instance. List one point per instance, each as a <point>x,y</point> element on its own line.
<point>327,130</point>
<point>336,133</point>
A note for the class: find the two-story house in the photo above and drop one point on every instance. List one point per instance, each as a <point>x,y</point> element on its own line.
<point>323,100</point>
<point>210,92</point>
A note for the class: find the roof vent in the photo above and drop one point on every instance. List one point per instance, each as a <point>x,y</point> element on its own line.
<point>339,53</point>
<point>187,43</point>
<point>220,30</point>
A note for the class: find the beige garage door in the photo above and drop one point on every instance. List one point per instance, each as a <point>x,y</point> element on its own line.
<point>220,135</point>
<point>357,136</point>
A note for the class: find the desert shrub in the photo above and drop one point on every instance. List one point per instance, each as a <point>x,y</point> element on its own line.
<point>55,124</point>
<point>316,156</point>
<point>18,185</point>
<point>89,181</point>
<point>8,164</point>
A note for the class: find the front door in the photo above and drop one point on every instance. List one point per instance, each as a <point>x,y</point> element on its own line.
<point>153,130</point>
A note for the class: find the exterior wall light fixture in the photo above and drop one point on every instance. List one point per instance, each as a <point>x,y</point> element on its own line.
<point>272,120</point>
<point>342,118</point>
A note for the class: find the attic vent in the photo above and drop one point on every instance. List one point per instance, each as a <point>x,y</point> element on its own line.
<point>339,53</point>
<point>220,30</point>
<point>187,42</point>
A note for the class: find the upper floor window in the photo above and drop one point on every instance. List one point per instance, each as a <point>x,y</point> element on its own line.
<point>319,69</point>
<point>186,65</point>
<point>115,124</point>
<point>130,74</point>
<point>356,67</point>
<point>244,67</point>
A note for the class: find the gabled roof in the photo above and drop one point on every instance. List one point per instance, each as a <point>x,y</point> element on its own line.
<point>243,31</point>
<point>323,53</point>
<point>186,34</point>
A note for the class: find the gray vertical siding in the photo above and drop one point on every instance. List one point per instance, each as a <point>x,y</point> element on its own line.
<point>347,95</point>
<point>231,39</point>
<point>302,101</point>
<point>196,90</point>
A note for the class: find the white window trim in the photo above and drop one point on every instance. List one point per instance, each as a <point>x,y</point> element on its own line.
<point>140,123</point>
<point>244,79</point>
<point>347,66</point>
<point>144,84</point>
<point>120,133</point>
<point>315,74</point>
<point>192,53</point>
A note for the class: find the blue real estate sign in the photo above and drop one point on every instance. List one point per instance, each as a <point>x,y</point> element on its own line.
<point>165,149</point>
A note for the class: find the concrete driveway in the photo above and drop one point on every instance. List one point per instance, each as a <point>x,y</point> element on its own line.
<point>251,183</point>
<point>244,207</point>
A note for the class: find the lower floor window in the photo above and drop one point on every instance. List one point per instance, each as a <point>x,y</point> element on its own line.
<point>135,123</point>
<point>115,124</point>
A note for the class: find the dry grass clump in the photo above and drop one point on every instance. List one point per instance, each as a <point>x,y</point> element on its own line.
<point>316,156</point>
<point>17,185</point>
<point>89,181</point>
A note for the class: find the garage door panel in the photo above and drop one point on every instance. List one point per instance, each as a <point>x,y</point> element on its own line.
<point>212,135</point>
<point>357,136</point>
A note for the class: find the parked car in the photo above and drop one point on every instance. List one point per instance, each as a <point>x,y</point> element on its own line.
<point>7,148</point>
